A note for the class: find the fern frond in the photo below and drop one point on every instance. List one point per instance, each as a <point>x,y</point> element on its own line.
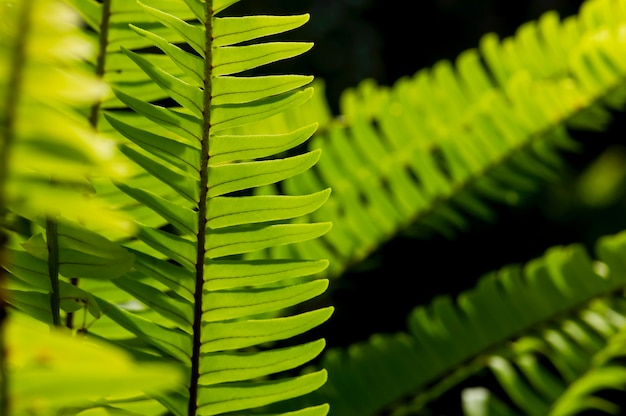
<point>200,304</point>
<point>444,145</point>
<point>48,153</point>
<point>451,339</point>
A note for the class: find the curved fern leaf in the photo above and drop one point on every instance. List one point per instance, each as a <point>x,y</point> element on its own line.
<point>604,373</point>
<point>200,303</point>
<point>452,338</point>
<point>566,366</point>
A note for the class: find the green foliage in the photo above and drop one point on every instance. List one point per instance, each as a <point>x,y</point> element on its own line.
<point>160,216</point>
<point>563,307</point>
<point>53,370</point>
<point>173,290</point>
<point>439,147</point>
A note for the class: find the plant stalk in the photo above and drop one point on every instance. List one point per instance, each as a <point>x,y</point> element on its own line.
<point>202,214</point>
<point>52,238</point>
<point>94,112</point>
<point>101,59</point>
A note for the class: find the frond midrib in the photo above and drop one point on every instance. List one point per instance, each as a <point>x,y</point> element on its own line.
<point>103,40</point>
<point>202,211</point>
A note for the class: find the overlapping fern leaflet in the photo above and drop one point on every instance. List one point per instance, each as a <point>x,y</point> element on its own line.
<point>442,145</point>
<point>217,313</point>
<point>109,21</point>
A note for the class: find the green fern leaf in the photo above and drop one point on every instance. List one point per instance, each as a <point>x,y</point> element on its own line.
<point>200,303</point>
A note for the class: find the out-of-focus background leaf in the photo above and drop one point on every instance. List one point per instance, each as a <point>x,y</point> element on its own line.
<point>385,40</point>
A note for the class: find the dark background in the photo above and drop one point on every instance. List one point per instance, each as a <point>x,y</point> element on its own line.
<point>385,40</point>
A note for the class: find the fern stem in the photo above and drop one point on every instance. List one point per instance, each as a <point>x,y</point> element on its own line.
<point>202,214</point>
<point>94,113</point>
<point>52,238</point>
<point>69,316</point>
<point>7,137</point>
<point>103,40</point>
